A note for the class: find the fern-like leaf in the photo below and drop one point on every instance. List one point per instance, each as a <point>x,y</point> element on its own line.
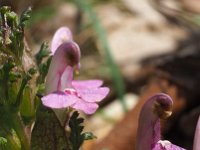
<point>76,136</point>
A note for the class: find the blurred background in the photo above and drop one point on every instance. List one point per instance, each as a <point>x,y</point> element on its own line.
<point>138,48</point>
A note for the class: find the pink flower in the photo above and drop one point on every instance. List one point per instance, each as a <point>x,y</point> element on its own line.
<point>62,91</point>
<point>149,136</point>
<point>81,95</point>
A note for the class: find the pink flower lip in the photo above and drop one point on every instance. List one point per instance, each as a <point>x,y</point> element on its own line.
<point>81,95</point>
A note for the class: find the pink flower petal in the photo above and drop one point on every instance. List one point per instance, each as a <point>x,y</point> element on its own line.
<point>52,82</point>
<point>196,145</point>
<point>86,83</point>
<point>166,145</point>
<point>88,108</point>
<point>62,35</point>
<point>67,54</point>
<point>58,100</point>
<point>66,79</point>
<point>93,94</point>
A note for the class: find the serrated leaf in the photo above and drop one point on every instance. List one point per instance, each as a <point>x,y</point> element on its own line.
<point>76,137</point>
<point>43,52</point>
<point>43,70</point>
<point>24,82</point>
<point>25,17</point>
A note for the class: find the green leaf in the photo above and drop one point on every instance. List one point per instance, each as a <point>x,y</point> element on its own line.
<point>24,82</point>
<point>3,143</point>
<point>25,17</point>
<point>43,52</point>
<point>76,137</point>
<point>43,70</point>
